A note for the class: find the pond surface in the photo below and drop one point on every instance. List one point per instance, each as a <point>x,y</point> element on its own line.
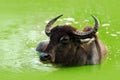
<point>22,28</point>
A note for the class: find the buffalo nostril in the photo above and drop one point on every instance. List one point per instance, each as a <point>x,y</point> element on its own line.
<point>44,57</point>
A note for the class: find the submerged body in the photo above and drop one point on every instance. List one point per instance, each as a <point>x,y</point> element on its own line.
<point>69,47</point>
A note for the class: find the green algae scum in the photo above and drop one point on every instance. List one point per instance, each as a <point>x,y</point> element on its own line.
<point>22,24</point>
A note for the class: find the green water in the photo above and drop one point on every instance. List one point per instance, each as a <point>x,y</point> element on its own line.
<point>22,28</point>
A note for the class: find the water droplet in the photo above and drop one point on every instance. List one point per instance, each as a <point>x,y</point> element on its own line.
<point>114,35</point>
<point>69,19</point>
<point>86,20</point>
<point>106,25</point>
<point>118,32</point>
<point>76,22</point>
<point>107,32</point>
<point>46,21</point>
<point>60,19</point>
<point>68,23</point>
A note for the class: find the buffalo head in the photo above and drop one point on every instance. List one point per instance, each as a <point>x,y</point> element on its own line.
<point>69,46</point>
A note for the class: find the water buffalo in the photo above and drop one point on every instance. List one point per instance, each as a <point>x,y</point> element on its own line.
<point>70,47</point>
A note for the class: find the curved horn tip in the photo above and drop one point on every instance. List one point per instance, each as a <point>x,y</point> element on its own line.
<point>95,18</point>
<point>96,22</point>
<point>92,15</point>
<point>60,15</point>
<point>50,23</point>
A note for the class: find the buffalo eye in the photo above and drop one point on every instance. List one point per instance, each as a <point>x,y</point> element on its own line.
<point>64,39</point>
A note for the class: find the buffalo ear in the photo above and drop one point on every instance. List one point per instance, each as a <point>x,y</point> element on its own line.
<point>65,39</point>
<point>42,46</point>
